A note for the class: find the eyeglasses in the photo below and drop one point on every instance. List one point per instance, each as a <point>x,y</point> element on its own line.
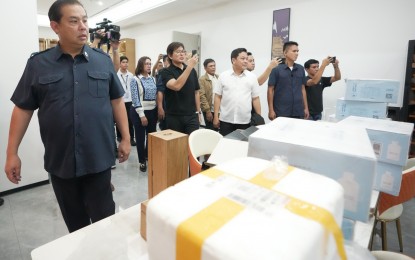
<point>180,52</point>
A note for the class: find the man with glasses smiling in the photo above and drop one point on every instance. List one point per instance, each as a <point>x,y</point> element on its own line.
<point>182,92</point>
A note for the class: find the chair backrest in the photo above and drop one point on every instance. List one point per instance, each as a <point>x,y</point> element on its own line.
<point>201,142</point>
<point>409,164</point>
<point>406,193</point>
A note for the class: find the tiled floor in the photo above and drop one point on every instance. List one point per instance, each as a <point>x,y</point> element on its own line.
<point>31,218</point>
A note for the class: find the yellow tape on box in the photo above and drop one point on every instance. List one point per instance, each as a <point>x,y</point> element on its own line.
<point>233,199</point>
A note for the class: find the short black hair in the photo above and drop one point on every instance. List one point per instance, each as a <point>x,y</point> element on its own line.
<point>123,58</point>
<point>207,61</point>
<point>55,13</point>
<point>288,44</point>
<point>249,53</point>
<point>308,63</point>
<point>235,53</point>
<point>172,47</point>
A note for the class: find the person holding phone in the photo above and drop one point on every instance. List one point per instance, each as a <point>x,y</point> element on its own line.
<point>182,90</point>
<point>316,83</point>
<point>264,76</point>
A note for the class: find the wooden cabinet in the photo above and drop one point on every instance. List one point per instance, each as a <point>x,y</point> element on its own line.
<point>127,48</point>
<point>45,44</point>
<point>408,106</point>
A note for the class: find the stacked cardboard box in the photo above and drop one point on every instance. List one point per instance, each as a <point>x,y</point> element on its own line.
<point>342,153</point>
<point>390,141</point>
<point>367,98</point>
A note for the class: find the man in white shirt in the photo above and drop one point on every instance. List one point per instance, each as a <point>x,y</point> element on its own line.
<point>125,78</point>
<point>237,92</point>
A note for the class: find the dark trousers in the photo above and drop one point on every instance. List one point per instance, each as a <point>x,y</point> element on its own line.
<point>209,124</point>
<point>227,128</point>
<point>183,124</point>
<point>141,132</point>
<point>84,199</point>
<point>130,122</point>
<point>315,117</point>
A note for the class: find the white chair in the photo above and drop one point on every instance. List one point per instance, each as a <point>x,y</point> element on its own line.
<point>387,255</point>
<point>201,142</point>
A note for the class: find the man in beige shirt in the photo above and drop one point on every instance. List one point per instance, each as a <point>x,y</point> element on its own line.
<point>207,83</point>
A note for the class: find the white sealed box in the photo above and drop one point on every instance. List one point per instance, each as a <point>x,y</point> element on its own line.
<point>341,153</point>
<point>390,139</point>
<point>345,108</point>
<point>373,90</point>
<point>245,209</point>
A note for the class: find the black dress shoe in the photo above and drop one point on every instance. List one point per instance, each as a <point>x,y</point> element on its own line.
<point>133,143</point>
<point>143,167</point>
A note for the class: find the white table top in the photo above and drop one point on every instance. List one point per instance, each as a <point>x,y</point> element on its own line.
<point>228,149</point>
<point>118,237</point>
<point>115,237</point>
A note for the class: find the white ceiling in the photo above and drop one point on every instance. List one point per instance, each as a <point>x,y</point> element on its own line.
<point>164,12</point>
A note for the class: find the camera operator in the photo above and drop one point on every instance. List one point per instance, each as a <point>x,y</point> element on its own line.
<point>114,45</point>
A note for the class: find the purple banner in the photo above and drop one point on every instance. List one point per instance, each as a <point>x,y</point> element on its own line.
<point>280,31</point>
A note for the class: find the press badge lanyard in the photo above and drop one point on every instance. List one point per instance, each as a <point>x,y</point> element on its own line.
<point>125,81</point>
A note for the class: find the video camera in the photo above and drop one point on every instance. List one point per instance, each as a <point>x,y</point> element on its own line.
<point>112,32</point>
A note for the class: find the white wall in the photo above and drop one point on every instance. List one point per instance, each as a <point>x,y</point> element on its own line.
<point>47,33</point>
<point>368,37</point>
<point>15,52</point>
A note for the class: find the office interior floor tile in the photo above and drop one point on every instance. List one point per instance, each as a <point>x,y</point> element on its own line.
<point>31,218</point>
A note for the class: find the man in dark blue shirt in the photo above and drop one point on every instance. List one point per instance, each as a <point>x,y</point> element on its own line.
<point>78,94</point>
<point>316,83</point>
<point>286,87</point>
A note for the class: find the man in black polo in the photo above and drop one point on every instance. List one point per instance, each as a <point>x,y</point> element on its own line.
<point>78,94</point>
<point>182,92</point>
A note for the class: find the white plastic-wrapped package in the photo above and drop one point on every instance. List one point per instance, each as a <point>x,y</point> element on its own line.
<point>248,209</point>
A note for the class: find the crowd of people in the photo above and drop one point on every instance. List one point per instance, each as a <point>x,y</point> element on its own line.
<point>86,91</point>
<point>172,94</point>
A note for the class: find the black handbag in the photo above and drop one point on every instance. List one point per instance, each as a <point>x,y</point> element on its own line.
<point>256,119</point>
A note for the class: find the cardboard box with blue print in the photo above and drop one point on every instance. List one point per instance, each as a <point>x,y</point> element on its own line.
<point>373,90</point>
<point>345,108</point>
<point>388,178</point>
<point>390,139</point>
<point>248,209</point>
<point>341,153</point>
